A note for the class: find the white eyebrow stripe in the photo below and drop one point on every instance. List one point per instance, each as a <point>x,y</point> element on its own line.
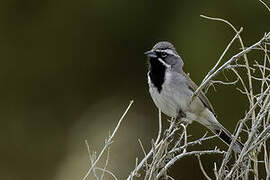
<point>168,51</point>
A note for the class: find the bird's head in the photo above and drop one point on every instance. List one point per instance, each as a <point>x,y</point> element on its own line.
<point>164,53</point>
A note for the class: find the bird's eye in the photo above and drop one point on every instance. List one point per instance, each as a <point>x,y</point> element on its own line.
<point>163,54</point>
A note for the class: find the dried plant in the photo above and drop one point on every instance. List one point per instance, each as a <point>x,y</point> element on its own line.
<point>172,144</point>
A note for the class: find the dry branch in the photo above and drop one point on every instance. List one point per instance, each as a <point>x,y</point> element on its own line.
<point>174,144</point>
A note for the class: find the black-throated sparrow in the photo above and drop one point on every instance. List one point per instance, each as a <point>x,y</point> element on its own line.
<point>171,90</point>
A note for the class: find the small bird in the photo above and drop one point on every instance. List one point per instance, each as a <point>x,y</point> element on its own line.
<point>171,90</point>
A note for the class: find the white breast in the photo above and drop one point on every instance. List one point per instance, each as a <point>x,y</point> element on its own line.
<point>172,97</point>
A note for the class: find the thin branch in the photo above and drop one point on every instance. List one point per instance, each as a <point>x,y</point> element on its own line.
<point>140,142</point>
<point>223,54</point>
<point>106,164</point>
<point>139,166</point>
<point>192,143</point>
<point>232,59</point>
<point>108,142</point>
<point>106,171</point>
<point>176,158</point>
<point>91,158</point>
<point>267,7</point>
<point>159,126</point>
<point>202,169</point>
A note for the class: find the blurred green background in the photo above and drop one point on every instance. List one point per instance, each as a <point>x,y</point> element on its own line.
<point>69,69</point>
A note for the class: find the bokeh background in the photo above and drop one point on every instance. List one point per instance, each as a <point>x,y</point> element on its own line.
<point>68,70</point>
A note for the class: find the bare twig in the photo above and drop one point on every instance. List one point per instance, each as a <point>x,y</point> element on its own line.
<point>144,152</point>
<point>202,169</point>
<point>91,158</point>
<point>106,171</point>
<point>223,54</point>
<point>108,142</point>
<point>267,7</point>
<point>232,59</point>
<point>176,158</point>
<point>106,164</point>
<point>159,126</point>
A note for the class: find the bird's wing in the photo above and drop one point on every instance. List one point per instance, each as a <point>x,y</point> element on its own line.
<point>201,95</point>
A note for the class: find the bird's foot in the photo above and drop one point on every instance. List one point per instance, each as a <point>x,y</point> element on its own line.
<point>182,118</point>
<point>181,114</point>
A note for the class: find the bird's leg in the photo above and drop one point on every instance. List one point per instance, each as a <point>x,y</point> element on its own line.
<point>182,117</point>
<point>181,114</point>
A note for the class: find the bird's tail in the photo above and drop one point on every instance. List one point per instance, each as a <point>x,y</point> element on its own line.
<point>227,137</point>
<point>211,123</point>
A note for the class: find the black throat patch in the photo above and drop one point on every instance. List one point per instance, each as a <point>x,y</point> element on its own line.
<point>157,73</point>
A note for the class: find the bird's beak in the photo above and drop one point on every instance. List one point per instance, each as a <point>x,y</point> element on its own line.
<point>151,54</point>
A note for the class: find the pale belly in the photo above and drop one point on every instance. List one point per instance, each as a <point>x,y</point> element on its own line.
<point>173,98</point>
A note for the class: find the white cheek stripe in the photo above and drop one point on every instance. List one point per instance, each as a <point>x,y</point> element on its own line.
<point>165,64</point>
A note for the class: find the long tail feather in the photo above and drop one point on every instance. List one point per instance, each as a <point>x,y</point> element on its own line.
<point>227,137</point>
<point>210,121</point>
